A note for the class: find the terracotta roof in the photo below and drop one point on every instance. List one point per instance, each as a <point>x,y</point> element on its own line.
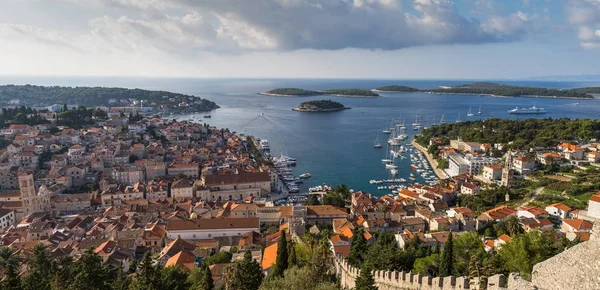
<point>242,177</point>
<point>534,210</point>
<point>343,250</point>
<point>505,238</point>
<point>578,224</point>
<point>212,224</point>
<point>560,206</point>
<point>500,212</point>
<point>494,166</point>
<point>319,210</point>
<point>490,243</point>
<point>269,256</point>
<point>595,197</point>
<point>182,259</point>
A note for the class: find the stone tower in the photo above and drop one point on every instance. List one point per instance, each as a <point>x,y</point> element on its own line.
<point>32,202</point>
<point>507,172</point>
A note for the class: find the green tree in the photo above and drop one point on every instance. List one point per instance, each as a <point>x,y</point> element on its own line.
<point>247,274</point>
<point>39,270</point>
<point>429,266</point>
<point>281,262</point>
<point>62,273</point>
<point>358,248</point>
<point>201,279</point>
<point>292,260</point>
<point>219,258</point>
<point>447,260</point>
<point>300,279</point>
<point>513,226</point>
<point>9,266</point>
<point>365,280</point>
<point>313,200</point>
<point>442,163</point>
<point>175,278</point>
<point>149,276</point>
<point>89,272</point>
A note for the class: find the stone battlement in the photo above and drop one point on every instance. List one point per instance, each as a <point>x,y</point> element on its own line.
<point>393,280</point>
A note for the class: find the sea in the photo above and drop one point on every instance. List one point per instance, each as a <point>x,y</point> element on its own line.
<point>337,147</point>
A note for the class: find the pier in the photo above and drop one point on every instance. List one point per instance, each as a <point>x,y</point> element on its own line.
<point>441,174</point>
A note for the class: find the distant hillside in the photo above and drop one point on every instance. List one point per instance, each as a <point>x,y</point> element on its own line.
<point>396,88</point>
<point>29,95</point>
<point>509,91</point>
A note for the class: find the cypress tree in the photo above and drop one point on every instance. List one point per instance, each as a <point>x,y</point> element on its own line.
<point>293,260</point>
<point>365,280</point>
<point>447,261</point>
<point>358,248</point>
<point>148,277</point>
<point>246,274</point>
<point>281,263</point>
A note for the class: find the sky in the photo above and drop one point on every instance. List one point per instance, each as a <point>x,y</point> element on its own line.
<point>410,39</point>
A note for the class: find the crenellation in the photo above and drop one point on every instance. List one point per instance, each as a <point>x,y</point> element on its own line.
<point>462,283</point>
<point>496,282</point>
<point>449,282</point>
<point>436,282</point>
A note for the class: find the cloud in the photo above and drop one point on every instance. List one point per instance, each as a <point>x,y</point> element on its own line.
<point>585,14</point>
<point>231,26</point>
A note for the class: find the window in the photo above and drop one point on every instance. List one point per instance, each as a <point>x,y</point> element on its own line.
<point>209,235</point>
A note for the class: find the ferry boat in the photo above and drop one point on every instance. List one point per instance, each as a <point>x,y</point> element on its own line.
<point>206,116</point>
<point>532,110</point>
<point>305,175</point>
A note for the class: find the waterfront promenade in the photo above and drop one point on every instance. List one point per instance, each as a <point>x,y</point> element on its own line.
<point>441,174</point>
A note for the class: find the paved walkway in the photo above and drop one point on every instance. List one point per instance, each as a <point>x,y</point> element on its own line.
<point>441,174</point>
<point>535,193</point>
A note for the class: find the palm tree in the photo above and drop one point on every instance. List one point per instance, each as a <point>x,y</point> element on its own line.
<point>8,258</point>
<point>513,225</point>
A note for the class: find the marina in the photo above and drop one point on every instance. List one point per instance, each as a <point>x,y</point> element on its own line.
<point>339,148</point>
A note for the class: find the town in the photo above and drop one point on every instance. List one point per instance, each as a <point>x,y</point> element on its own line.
<point>131,187</point>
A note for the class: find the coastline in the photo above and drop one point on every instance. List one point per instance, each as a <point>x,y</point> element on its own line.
<point>441,174</point>
<point>298,109</point>
<point>488,95</point>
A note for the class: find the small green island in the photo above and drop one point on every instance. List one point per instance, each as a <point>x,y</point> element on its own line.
<point>396,88</point>
<point>296,92</point>
<point>320,106</point>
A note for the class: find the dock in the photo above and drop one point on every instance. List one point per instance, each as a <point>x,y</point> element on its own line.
<point>441,174</point>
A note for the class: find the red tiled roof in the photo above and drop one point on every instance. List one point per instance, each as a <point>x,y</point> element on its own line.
<point>578,224</point>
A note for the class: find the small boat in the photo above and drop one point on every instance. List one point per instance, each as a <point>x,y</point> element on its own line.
<point>377,143</point>
<point>532,110</point>
<point>394,171</point>
<point>458,119</point>
<point>470,114</point>
<point>413,167</point>
<point>386,160</point>
<point>206,116</point>
<point>391,166</point>
<point>479,112</point>
<point>305,175</point>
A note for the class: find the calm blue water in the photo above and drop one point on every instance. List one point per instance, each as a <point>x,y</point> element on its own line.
<point>336,147</point>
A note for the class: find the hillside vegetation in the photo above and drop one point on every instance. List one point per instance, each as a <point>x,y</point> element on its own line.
<point>523,134</point>
<point>30,95</point>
